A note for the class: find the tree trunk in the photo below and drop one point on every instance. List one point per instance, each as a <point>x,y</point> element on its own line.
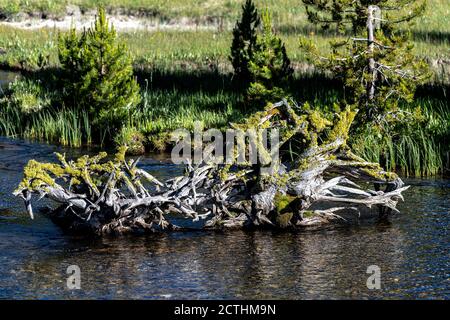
<point>371,45</point>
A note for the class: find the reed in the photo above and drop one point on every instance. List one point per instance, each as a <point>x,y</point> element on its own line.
<point>416,149</point>
<point>66,127</point>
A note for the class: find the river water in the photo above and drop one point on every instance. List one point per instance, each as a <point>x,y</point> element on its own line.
<point>412,252</point>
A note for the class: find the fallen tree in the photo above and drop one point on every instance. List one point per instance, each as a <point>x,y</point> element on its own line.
<point>314,187</point>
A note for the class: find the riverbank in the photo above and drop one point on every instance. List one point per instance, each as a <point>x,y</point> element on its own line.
<point>122,22</point>
<point>173,100</point>
<point>289,13</point>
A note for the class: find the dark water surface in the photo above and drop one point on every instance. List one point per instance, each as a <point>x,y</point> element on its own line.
<point>412,252</point>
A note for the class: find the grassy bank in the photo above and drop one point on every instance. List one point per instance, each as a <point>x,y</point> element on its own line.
<point>196,49</point>
<point>160,112</point>
<point>185,76</point>
<point>412,148</point>
<point>182,49</point>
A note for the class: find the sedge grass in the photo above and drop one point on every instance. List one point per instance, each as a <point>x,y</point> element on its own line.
<point>418,149</point>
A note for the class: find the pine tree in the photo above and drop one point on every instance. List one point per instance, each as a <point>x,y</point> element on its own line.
<point>244,40</point>
<point>376,62</point>
<point>98,73</point>
<point>270,67</point>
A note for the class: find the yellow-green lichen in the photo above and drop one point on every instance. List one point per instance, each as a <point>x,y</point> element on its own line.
<point>86,169</point>
<point>37,174</point>
<point>318,121</point>
<point>342,125</point>
<point>282,202</point>
<point>308,214</point>
<point>380,174</point>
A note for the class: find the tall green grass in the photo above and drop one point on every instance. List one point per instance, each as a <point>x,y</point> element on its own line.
<point>413,156</point>
<point>412,148</point>
<point>160,112</point>
<point>415,149</point>
<point>63,126</point>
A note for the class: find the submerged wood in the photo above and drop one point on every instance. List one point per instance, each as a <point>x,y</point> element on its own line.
<point>101,196</point>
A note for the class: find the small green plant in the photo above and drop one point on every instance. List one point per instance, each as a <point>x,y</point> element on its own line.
<point>243,44</point>
<point>28,96</point>
<point>132,139</point>
<point>270,67</point>
<point>98,73</point>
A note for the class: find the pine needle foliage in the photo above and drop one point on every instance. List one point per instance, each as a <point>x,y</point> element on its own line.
<point>270,67</point>
<point>98,73</point>
<point>376,62</point>
<point>243,43</point>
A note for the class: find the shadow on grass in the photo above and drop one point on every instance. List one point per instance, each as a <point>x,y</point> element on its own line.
<point>208,81</point>
<point>436,91</point>
<point>434,37</point>
<point>308,29</point>
<point>311,86</point>
<point>304,87</point>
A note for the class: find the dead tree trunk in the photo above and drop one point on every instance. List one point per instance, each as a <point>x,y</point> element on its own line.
<point>371,44</point>
<point>324,181</point>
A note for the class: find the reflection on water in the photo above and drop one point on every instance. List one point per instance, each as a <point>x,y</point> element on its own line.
<point>412,252</point>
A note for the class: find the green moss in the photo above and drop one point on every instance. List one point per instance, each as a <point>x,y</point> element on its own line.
<point>379,174</point>
<point>283,202</point>
<point>120,155</point>
<point>37,174</point>
<point>224,172</point>
<point>85,170</point>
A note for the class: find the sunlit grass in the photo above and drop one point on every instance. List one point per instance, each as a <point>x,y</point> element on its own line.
<point>287,13</point>
<point>173,50</point>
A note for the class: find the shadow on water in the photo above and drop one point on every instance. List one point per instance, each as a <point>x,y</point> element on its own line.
<point>411,251</point>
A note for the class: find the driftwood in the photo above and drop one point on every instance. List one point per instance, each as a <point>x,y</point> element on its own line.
<point>312,188</point>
